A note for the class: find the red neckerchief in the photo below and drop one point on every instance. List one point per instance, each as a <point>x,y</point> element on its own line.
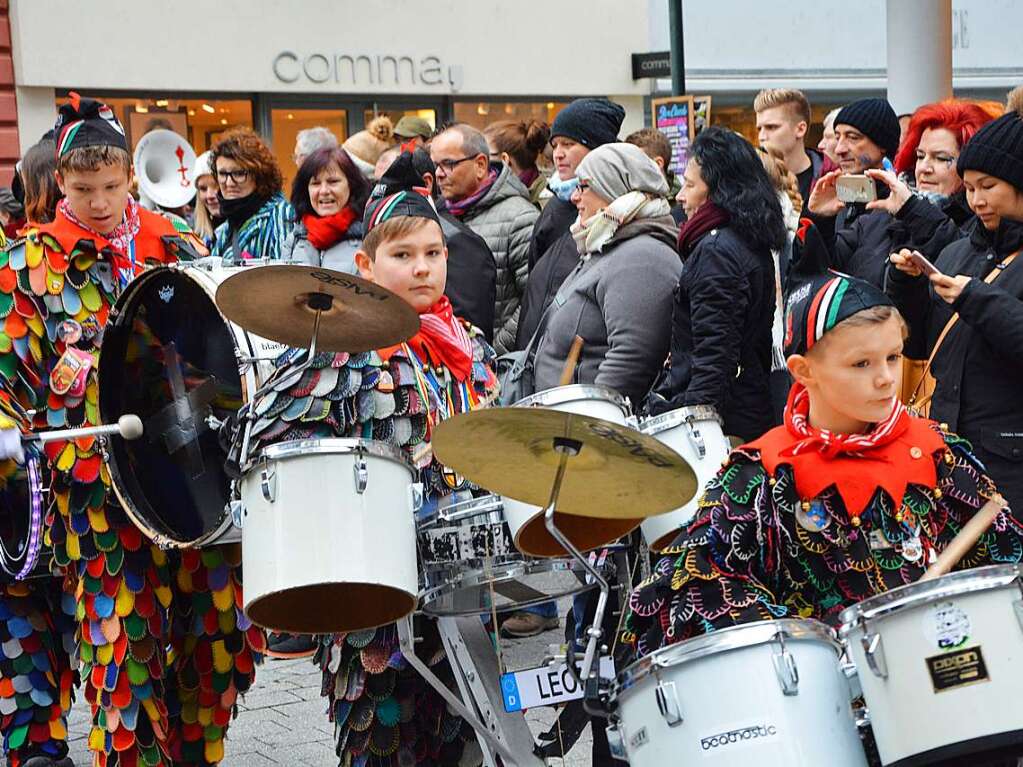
<point>327,231</point>
<point>120,239</point>
<point>441,340</point>
<point>707,217</point>
<point>897,452</point>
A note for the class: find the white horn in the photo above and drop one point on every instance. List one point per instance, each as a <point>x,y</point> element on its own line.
<point>164,163</point>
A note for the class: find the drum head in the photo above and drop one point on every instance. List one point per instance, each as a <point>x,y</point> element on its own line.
<point>15,524</point>
<point>169,357</point>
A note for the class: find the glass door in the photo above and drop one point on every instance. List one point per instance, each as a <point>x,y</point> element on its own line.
<point>285,124</point>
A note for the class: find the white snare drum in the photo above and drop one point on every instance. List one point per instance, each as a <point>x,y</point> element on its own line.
<point>769,694</point>
<point>695,434</point>
<point>170,356</point>
<point>526,522</point>
<point>329,538</point>
<point>941,665</point>
<point>470,565</point>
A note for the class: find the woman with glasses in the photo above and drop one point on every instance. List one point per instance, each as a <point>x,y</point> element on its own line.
<point>257,216</point>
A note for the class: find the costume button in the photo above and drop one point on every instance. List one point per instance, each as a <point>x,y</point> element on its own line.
<point>916,452</point>
<point>990,256</point>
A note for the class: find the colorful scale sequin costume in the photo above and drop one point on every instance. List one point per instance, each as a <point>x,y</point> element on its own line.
<point>756,550</point>
<point>383,711</point>
<point>151,705</point>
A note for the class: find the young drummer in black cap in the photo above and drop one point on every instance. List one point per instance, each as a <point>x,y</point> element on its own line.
<point>851,497</point>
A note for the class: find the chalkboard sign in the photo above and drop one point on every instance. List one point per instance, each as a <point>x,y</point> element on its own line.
<point>673,116</point>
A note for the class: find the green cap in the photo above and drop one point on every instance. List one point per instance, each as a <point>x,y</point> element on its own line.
<point>410,127</point>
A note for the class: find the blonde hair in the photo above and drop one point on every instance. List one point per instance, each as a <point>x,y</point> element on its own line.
<point>782,178</point>
<point>391,229</point>
<point>202,223</point>
<point>769,98</point>
<point>88,159</point>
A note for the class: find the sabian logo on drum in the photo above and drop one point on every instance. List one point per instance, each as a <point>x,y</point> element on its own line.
<point>744,734</point>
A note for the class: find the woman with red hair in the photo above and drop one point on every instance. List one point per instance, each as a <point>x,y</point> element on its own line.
<point>927,196</point>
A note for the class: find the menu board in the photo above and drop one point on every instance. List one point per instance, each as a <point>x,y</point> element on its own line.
<point>673,116</point>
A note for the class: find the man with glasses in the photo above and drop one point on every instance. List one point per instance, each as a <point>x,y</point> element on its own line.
<point>489,198</point>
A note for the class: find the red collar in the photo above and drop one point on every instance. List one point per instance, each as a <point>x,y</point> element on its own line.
<point>908,459</point>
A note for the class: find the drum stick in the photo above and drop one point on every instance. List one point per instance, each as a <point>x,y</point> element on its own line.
<point>128,426</point>
<point>571,361</point>
<point>966,538</point>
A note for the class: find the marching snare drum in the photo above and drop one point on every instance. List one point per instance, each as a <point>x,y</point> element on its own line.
<point>470,565</point>
<point>526,522</point>
<point>170,356</point>
<point>329,536</point>
<point>22,508</point>
<point>941,665</point>
<point>771,694</point>
<point>695,434</point>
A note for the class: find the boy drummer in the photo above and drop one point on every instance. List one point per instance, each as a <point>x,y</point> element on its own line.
<point>132,600</point>
<point>851,497</point>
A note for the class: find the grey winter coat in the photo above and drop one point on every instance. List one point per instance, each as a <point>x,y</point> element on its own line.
<point>340,256</point>
<point>619,301</point>
<point>504,217</point>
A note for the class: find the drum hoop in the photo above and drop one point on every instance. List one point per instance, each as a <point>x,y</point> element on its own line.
<point>724,640</point>
<point>574,393</point>
<point>922,593</point>
<point>461,511</point>
<point>300,448</point>
<point>658,423</point>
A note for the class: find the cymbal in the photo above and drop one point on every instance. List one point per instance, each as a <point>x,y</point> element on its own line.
<point>279,302</point>
<point>619,473</point>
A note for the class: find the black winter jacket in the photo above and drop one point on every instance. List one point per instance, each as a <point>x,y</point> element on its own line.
<point>863,239</point>
<point>472,275</point>
<point>721,335</point>
<point>979,366</point>
<point>552,257</point>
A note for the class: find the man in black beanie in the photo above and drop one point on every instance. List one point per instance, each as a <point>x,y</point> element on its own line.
<point>860,236</point>
<point>578,129</point>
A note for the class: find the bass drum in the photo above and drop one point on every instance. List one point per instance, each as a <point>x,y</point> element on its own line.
<point>170,356</point>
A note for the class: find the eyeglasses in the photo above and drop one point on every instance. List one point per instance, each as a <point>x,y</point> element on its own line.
<point>449,165</point>
<point>234,176</point>
<point>582,186</point>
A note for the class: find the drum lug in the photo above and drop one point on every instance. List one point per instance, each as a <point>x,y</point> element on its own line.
<point>238,513</point>
<point>873,650</point>
<point>696,437</point>
<point>616,741</point>
<point>361,471</point>
<point>667,703</point>
<point>785,668</point>
<point>415,497</point>
<point>268,483</point>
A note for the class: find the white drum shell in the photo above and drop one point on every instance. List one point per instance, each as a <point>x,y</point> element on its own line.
<point>735,713</point>
<point>526,521</point>
<point>322,557</point>
<point>659,531</point>
<point>908,716</point>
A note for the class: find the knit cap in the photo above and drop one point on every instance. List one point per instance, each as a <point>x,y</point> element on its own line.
<point>590,121</point>
<point>996,149</point>
<point>613,170</point>
<point>876,120</point>
<point>87,122</point>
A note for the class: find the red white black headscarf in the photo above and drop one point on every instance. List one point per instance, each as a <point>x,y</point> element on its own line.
<point>87,122</point>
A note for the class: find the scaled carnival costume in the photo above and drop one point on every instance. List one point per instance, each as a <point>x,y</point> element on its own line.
<point>383,711</point>
<point>150,705</point>
<point>803,522</point>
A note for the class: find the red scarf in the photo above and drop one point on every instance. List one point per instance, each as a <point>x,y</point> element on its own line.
<point>441,340</point>
<point>120,238</point>
<point>707,217</point>
<point>327,231</point>
<point>898,451</point>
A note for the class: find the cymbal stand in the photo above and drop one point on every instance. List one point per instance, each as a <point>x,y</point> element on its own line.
<point>319,303</point>
<point>589,674</point>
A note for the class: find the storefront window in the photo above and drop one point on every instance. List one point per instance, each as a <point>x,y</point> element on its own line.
<point>200,121</point>
<point>480,114</point>
<point>286,123</point>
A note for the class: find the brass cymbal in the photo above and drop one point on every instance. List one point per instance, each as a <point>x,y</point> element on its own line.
<point>279,302</point>
<point>618,473</point>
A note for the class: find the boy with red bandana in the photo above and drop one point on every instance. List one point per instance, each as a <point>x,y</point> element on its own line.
<point>853,496</point>
<point>151,706</point>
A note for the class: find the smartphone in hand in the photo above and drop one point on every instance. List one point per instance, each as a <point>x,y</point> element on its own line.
<point>923,264</point>
<point>855,188</point>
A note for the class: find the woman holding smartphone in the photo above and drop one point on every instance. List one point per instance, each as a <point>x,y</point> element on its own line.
<point>979,288</point>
